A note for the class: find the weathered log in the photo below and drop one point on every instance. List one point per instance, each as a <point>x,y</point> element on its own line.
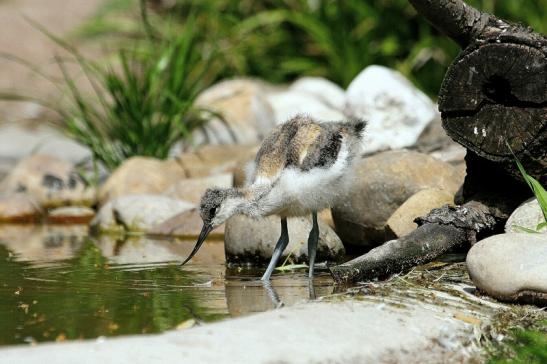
<point>495,91</point>
<point>442,230</point>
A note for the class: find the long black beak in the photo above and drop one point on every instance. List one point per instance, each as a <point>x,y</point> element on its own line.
<point>205,230</point>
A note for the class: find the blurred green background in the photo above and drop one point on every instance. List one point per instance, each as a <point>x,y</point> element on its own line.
<point>280,40</point>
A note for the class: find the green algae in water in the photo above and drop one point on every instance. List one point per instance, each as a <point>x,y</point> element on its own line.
<point>86,297</point>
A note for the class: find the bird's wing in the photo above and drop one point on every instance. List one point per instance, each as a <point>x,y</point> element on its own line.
<point>299,143</point>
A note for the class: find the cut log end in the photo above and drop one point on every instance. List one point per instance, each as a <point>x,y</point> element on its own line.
<point>493,100</point>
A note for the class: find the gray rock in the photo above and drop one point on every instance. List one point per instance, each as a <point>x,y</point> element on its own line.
<point>187,224</point>
<point>401,222</point>
<point>396,111</point>
<point>249,240</point>
<point>247,114</point>
<point>511,267</point>
<point>137,213</point>
<point>528,215</point>
<point>289,103</point>
<point>191,189</point>
<point>324,90</point>
<point>215,159</point>
<point>19,207</point>
<point>381,184</point>
<point>18,142</point>
<point>51,181</point>
<point>141,175</point>
<point>339,332</point>
<point>70,215</point>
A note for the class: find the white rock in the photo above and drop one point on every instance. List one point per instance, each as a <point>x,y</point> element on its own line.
<point>50,180</point>
<point>138,212</point>
<point>17,142</point>
<point>326,91</point>
<point>287,104</point>
<point>191,189</point>
<point>247,114</point>
<point>527,215</point>
<point>510,266</point>
<point>342,332</point>
<point>396,111</point>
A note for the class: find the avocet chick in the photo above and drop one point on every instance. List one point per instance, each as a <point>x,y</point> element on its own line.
<point>300,168</point>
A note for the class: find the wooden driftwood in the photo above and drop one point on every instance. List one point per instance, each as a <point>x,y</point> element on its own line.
<point>494,94</point>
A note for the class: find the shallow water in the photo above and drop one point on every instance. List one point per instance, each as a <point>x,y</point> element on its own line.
<point>56,283</point>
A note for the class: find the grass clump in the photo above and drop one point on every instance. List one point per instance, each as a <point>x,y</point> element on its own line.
<point>142,101</point>
<point>523,346</point>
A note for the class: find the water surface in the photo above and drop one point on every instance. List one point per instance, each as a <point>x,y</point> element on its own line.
<point>57,284</point>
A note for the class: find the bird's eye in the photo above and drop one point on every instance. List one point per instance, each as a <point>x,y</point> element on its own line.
<point>212,211</point>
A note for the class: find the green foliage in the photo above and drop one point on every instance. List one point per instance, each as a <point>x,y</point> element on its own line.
<point>524,347</point>
<point>537,189</point>
<point>143,102</point>
<point>279,40</point>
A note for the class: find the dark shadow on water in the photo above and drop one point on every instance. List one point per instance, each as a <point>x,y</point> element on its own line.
<point>58,284</point>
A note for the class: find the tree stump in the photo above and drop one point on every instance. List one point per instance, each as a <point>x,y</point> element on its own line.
<point>493,101</point>
<point>495,92</point>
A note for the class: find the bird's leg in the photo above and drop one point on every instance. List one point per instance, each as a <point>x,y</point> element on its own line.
<point>312,243</point>
<point>278,250</point>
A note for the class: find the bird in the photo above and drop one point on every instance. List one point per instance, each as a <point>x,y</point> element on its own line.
<point>302,167</point>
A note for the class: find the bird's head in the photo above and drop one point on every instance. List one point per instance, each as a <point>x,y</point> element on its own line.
<point>217,205</point>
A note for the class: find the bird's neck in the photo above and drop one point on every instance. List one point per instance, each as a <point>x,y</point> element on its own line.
<point>252,200</point>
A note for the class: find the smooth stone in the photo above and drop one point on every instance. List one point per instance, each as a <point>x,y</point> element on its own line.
<point>141,175</point>
<point>433,137</point>
<point>528,215</point>
<point>250,240</point>
<point>453,154</point>
<point>326,91</point>
<point>247,115</point>
<point>215,159</point>
<point>70,215</point>
<point>51,181</point>
<point>287,104</point>
<point>137,213</point>
<point>18,208</point>
<point>185,225</point>
<point>396,111</point>
<point>191,189</point>
<point>381,184</point>
<point>334,333</point>
<point>511,267</point>
<point>401,222</point>
<point>17,142</point>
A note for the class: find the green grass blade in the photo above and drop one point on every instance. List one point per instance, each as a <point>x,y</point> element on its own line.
<point>540,193</point>
<point>525,229</point>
